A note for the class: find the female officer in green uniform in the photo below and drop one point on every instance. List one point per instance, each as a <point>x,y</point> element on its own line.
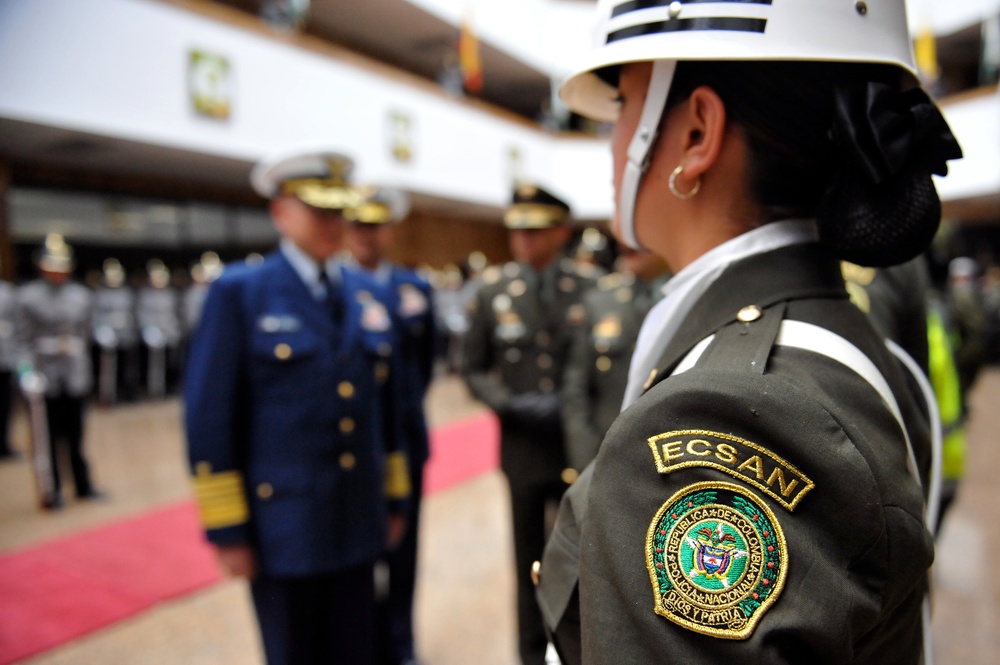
<point>760,499</point>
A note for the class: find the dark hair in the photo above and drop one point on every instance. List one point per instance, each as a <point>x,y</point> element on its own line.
<point>804,165</point>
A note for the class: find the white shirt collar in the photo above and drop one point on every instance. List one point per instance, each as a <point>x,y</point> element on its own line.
<point>684,289</point>
<point>308,270</point>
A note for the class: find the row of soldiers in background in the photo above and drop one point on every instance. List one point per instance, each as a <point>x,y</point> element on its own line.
<point>139,334</point>
<point>63,342</point>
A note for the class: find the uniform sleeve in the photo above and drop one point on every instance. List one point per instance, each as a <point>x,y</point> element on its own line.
<point>400,433</point>
<point>582,437</point>
<point>899,308</point>
<point>733,519</point>
<point>216,415</point>
<point>428,342</point>
<point>895,300</point>
<point>393,383</point>
<point>478,362</point>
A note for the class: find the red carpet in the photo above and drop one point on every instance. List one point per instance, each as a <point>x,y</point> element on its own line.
<point>461,451</point>
<point>63,589</point>
<point>54,592</point>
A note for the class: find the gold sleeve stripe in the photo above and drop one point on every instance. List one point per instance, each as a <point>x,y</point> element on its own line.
<point>228,481</point>
<point>221,499</point>
<point>397,476</point>
<point>220,519</point>
<point>218,491</point>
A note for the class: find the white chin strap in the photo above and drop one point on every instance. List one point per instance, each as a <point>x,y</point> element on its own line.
<point>642,142</point>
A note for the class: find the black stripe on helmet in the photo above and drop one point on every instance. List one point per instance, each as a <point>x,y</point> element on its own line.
<point>636,5</point>
<point>677,25</point>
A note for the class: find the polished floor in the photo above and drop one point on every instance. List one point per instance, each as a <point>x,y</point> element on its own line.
<point>465,607</point>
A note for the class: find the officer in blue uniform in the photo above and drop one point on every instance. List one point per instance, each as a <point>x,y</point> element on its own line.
<point>292,470</point>
<point>408,299</point>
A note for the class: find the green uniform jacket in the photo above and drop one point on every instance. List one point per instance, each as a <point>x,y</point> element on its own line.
<point>756,508</point>
<point>517,344</point>
<point>597,369</point>
<point>896,300</point>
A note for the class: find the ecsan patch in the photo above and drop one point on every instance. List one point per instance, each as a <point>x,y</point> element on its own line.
<point>717,559</point>
<point>741,459</point>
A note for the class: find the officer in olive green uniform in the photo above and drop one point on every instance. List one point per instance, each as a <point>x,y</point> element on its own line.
<point>694,443</point>
<point>903,307</point>
<point>597,368</point>
<point>761,498</point>
<point>519,335</point>
<point>895,299</point>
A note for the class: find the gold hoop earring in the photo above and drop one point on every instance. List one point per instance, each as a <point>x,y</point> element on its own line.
<point>672,184</point>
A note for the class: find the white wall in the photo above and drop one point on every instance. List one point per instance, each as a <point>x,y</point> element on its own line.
<point>976,125</point>
<point>546,34</point>
<point>118,68</point>
<point>947,16</point>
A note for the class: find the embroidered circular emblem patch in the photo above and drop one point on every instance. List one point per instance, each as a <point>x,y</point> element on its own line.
<point>717,559</point>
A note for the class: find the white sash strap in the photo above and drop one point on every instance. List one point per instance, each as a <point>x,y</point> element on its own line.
<point>691,359</point>
<point>809,337</point>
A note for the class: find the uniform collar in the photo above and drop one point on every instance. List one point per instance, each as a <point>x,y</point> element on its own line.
<point>308,270</point>
<point>682,292</point>
<point>381,274</point>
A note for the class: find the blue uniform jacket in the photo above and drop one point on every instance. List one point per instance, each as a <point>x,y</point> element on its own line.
<point>284,426</point>
<point>409,299</point>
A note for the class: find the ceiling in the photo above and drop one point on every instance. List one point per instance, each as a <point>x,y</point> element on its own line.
<point>402,35</point>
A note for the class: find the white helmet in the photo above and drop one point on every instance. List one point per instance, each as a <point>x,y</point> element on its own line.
<point>766,30</point>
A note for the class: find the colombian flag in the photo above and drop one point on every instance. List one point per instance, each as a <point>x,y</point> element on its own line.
<point>925,53</point>
<point>468,58</point>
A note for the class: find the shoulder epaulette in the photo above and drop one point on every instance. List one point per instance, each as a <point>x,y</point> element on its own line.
<point>857,274</point>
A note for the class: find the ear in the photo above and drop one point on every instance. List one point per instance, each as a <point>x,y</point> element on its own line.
<point>277,207</point>
<point>704,115</point>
